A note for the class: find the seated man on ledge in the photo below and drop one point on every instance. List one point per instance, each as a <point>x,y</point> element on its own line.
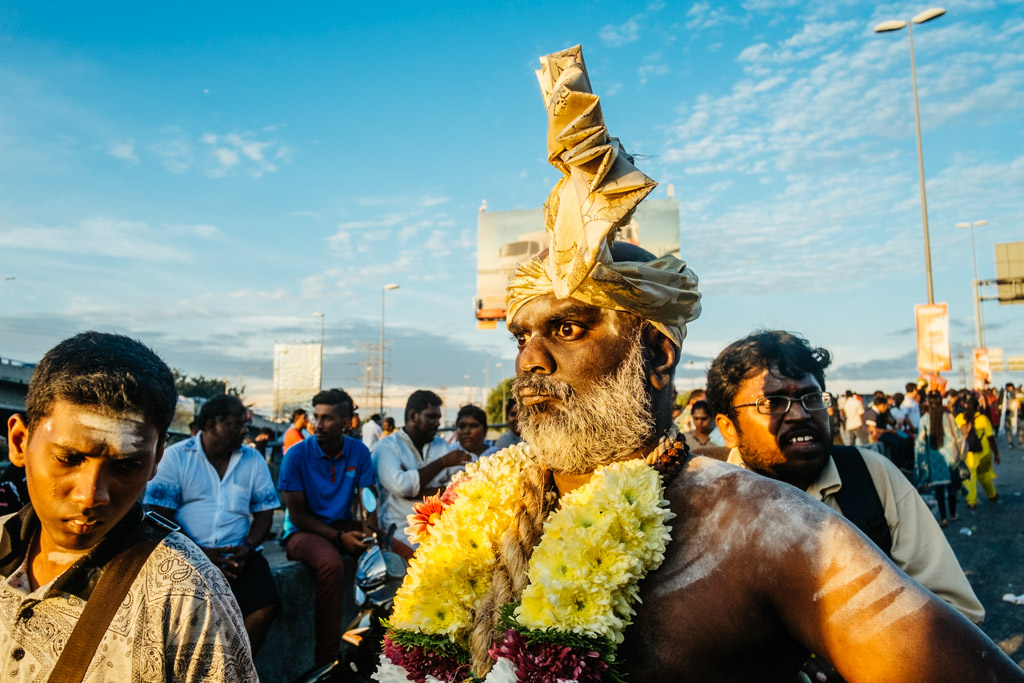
<point>320,479</point>
<point>210,484</point>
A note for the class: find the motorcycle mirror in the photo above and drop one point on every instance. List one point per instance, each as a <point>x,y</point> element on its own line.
<point>369,500</point>
<point>394,565</point>
<point>360,597</point>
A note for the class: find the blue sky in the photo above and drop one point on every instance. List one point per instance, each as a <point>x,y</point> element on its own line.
<point>206,176</point>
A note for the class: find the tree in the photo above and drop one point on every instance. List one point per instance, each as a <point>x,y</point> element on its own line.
<point>201,387</point>
<point>495,407</point>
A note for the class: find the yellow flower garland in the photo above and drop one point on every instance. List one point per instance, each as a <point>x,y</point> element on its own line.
<point>583,576</point>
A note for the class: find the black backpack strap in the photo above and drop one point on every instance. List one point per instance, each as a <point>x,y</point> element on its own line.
<point>858,498</point>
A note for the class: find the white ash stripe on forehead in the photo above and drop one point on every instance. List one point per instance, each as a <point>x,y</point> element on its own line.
<point>125,432</point>
<point>883,592</point>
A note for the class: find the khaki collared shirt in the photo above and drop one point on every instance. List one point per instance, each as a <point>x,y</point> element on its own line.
<point>179,621</point>
<point>919,547</point>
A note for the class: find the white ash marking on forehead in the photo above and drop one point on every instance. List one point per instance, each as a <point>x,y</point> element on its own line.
<point>849,564</point>
<point>782,522</point>
<point>124,432</point>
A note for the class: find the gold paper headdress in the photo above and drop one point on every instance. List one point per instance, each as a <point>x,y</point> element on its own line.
<point>596,196</point>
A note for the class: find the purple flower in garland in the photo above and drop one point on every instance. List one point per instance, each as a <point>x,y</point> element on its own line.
<point>549,663</point>
<point>419,662</point>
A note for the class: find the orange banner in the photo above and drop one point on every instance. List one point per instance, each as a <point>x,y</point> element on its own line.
<point>932,338</point>
<point>982,368</point>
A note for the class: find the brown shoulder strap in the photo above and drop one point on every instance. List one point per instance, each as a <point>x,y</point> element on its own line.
<point>100,608</point>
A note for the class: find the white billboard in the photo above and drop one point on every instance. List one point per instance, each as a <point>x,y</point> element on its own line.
<point>297,371</point>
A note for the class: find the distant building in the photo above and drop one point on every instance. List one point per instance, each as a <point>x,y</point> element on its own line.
<point>297,373</point>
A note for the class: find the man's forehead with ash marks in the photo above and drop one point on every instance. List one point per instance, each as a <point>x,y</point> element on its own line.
<point>122,434</point>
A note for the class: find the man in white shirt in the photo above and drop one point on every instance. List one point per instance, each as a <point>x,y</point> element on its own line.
<point>1011,409</point>
<point>911,405</point>
<point>414,463</point>
<point>210,484</point>
<point>853,411</point>
<point>372,431</point>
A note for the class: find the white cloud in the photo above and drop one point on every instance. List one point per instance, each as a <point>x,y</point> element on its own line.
<point>173,149</point>
<point>702,15</point>
<point>431,200</point>
<point>203,230</point>
<point>96,237</point>
<point>653,66</point>
<point>125,151</point>
<point>623,34</point>
<point>243,152</point>
<point>629,31</point>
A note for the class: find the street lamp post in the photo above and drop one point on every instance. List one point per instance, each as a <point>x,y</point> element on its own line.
<point>323,321</point>
<point>896,25</point>
<point>502,382</point>
<point>380,367</point>
<point>979,323</point>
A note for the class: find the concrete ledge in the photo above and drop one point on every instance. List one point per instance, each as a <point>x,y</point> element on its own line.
<point>288,651</point>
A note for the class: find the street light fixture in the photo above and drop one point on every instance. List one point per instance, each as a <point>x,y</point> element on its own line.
<point>896,25</point>
<point>323,321</point>
<point>979,323</point>
<point>380,368</point>
<point>503,387</point>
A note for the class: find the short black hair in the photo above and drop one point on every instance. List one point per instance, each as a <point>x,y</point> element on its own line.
<point>420,400</point>
<point>475,412</point>
<point>701,405</point>
<point>297,412</point>
<point>375,417</point>
<point>218,408</point>
<point>109,371</point>
<point>777,350</point>
<point>338,398</point>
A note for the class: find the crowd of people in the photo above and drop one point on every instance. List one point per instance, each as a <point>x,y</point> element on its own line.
<point>592,542</point>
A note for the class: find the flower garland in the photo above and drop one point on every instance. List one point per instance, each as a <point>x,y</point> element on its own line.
<point>584,575</point>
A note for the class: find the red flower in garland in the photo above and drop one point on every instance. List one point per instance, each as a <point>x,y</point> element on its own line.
<point>549,663</point>
<point>450,494</point>
<point>424,515</point>
<point>418,662</point>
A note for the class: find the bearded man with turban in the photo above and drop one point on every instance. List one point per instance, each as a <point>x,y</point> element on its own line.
<point>603,548</point>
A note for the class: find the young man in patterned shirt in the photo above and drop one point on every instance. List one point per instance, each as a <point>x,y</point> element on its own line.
<point>97,413</point>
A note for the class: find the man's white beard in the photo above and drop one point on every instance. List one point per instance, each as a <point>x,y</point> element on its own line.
<point>575,434</point>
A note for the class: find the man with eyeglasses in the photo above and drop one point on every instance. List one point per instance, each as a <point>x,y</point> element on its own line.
<point>768,394</point>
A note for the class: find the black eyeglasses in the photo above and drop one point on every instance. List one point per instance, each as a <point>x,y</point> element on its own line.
<point>778,405</point>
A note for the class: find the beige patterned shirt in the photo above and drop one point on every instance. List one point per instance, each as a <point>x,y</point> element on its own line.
<point>179,621</point>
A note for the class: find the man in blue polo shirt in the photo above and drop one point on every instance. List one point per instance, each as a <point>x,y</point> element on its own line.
<point>319,479</point>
